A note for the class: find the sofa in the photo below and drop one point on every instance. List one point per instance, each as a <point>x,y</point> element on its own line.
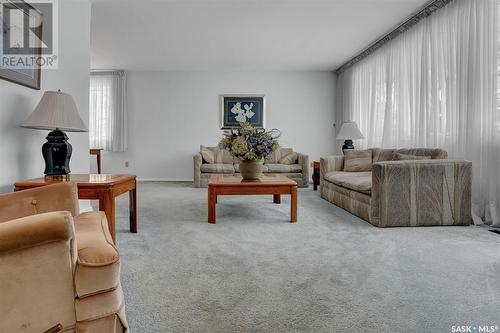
<point>58,268</point>
<point>399,187</point>
<point>215,160</point>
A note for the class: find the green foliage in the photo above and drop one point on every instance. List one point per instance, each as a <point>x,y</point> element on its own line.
<point>250,143</point>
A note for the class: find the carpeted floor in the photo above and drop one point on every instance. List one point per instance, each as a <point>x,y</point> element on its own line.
<point>331,272</point>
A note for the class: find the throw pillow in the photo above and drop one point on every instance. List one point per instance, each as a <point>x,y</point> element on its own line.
<point>404,157</point>
<point>207,154</point>
<point>289,159</point>
<point>357,160</point>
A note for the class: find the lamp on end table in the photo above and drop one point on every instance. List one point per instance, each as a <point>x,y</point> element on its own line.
<point>348,132</point>
<point>57,112</point>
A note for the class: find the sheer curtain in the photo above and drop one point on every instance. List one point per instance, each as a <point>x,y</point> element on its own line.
<point>436,85</point>
<point>108,113</point>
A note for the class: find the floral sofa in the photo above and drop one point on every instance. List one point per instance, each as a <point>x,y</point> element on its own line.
<point>214,160</point>
<point>403,187</point>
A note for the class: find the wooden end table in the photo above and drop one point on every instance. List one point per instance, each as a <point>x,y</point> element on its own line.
<point>98,187</point>
<point>233,184</point>
<point>315,175</point>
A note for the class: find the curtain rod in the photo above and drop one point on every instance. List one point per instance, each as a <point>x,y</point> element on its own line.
<point>107,72</point>
<point>427,10</point>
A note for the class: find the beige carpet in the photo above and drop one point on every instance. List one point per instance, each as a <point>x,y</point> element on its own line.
<point>331,272</point>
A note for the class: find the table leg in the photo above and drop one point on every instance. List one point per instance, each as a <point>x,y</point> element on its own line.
<point>99,162</point>
<point>315,179</point>
<point>277,198</point>
<point>107,205</point>
<point>133,210</point>
<point>293,204</point>
<point>212,200</point>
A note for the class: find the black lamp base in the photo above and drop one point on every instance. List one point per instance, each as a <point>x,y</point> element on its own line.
<point>347,145</point>
<point>56,153</point>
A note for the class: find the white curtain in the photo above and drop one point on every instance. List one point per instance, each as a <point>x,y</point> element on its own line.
<point>108,112</point>
<point>436,85</point>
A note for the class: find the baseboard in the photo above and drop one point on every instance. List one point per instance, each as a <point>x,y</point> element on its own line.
<point>164,179</point>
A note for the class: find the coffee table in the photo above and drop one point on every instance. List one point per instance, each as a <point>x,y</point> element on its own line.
<point>233,184</point>
<point>100,187</point>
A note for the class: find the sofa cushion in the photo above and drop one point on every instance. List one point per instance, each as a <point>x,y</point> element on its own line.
<point>216,155</point>
<point>207,154</point>
<point>357,160</point>
<point>100,306</point>
<point>282,168</point>
<point>217,168</point>
<point>405,157</point>
<point>356,181</point>
<point>278,154</point>
<point>381,155</point>
<point>98,264</point>
<point>289,158</point>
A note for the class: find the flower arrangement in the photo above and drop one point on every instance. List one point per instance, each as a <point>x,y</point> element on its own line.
<point>249,143</point>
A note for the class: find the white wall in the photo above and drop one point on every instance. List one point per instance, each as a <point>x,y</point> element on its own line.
<point>21,148</point>
<point>172,113</point>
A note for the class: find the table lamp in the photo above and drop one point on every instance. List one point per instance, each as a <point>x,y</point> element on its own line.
<point>348,132</point>
<point>57,112</point>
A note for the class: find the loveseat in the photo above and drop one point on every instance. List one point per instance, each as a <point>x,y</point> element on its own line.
<point>399,187</point>
<point>57,266</point>
<point>215,160</point>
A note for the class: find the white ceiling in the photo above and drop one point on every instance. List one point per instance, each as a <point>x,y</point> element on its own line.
<point>238,34</point>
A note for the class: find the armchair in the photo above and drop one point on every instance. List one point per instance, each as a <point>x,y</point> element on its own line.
<point>57,268</point>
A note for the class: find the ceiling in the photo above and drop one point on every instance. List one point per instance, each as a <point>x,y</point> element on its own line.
<point>238,34</point>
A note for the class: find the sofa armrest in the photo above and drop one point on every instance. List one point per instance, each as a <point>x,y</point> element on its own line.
<point>422,192</point>
<point>303,160</point>
<point>197,162</point>
<point>35,230</point>
<point>330,163</point>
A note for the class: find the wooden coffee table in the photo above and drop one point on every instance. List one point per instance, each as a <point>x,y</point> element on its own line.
<point>100,187</point>
<point>233,184</point>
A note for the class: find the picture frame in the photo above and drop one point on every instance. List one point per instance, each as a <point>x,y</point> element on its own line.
<point>29,77</point>
<point>238,108</point>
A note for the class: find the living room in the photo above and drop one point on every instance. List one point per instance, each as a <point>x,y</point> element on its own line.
<point>250,166</point>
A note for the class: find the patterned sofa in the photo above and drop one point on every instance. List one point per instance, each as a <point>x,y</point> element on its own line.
<point>404,187</point>
<point>214,160</point>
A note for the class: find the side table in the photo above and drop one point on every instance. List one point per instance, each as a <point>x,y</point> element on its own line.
<point>104,188</point>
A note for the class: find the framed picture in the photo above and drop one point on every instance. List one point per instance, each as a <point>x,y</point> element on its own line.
<point>17,15</point>
<point>236,109</point>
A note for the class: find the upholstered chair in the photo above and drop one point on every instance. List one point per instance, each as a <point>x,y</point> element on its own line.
<point>59,269</point>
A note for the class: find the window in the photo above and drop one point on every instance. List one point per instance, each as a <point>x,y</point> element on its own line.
<point>108,116</point>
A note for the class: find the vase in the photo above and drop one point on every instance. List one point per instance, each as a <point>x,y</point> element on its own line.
<point>251,170</point>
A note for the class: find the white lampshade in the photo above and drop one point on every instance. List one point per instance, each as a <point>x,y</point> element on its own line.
<point>349,131</point>
<point>56,110</point>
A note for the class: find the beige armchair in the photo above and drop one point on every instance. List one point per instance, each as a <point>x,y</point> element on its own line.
<point>57,267</point>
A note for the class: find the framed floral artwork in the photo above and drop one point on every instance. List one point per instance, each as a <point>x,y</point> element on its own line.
<point>237,109</point>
